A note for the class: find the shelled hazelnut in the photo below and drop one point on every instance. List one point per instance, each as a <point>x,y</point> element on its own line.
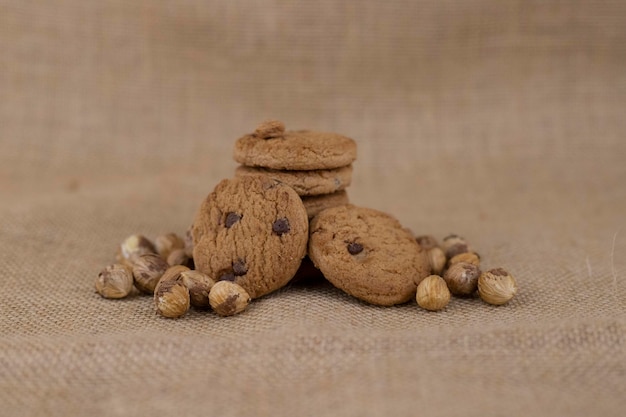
<point>188,239</point>
<point>228,298</point>
<point>462,278</point>
<point>178,257</point>
<point>114,281</point>
<point>452,245</point>
<point>436,256</point>
<point>468,257</point>
<point>199,286</point>
<point>496,286</point>
<point>147,271</point>
<point>168,243</point>
<point>132,247</point>
<point>171,296</point>
<point>432,293</point>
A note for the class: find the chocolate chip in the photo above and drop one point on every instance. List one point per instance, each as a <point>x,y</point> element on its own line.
<point>281,226</point>
<point>355,248</point>
<point>227,276</point>
<point>232,218</point>
<point>240,268</point>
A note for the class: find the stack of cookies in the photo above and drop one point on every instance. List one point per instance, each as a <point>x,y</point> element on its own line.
<point>252,234</point>
<point>316,165</point>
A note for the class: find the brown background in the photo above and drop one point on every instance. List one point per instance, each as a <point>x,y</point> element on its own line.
<point>503,121</point>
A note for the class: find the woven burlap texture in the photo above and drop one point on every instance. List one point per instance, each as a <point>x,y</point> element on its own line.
<point>502,121</point>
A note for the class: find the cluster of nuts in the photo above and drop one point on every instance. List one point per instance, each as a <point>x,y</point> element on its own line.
<point>456,270</point>
<point>164,269</point>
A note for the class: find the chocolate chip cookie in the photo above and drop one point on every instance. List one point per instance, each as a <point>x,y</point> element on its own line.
<point>271,146</point>
<point>252,230</point>
<point>367,254</point>
<point>314,182</point>
<point>316,203</point>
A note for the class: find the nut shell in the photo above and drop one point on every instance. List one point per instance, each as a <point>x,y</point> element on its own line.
<point>462,278</point>
<point>469,257</point>
<point>188,239</point>
<point>496,286</point>
<point>114,281</point>
<point>228,298</point>
<point>168,243</point>
<point>452,245</point>
<point>178,257</point>
<point>199,286</point>
<point>132,247</point>
<point>437,259</point>
<point>171,296</point>
<point>427,242</point>
<point>147,271</point>
<point>432,293</point>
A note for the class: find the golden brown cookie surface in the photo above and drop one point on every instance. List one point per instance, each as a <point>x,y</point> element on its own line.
<point>367,254</point>
<point>306,183</point>
<point>252,230</point>
<point>294,150</point>
<point>316,203</point>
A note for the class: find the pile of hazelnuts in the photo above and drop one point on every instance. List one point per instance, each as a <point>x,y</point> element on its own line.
<point>456,271</point>
<point>164,269</point>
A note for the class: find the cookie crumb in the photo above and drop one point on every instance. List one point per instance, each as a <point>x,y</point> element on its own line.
<point>270,129</point>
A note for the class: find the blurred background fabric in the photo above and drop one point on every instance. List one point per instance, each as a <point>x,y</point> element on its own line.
<point>502,121</point>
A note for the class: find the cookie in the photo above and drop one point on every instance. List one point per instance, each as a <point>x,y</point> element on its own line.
<point>314,182</point>
<point>270,146</point>
<point>252,230</point>
<point>367,254</point>
<point>316,203</point>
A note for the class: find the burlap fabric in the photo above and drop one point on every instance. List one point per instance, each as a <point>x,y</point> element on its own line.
<point>502,121</point>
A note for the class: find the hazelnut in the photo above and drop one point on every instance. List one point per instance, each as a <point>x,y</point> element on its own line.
<point>166,244</point>
<point>114,281</point>
<point>469,257</point>
<point>148,270</point>
<point>132,247</point>
<point>270,129</point>
<point>462,278</point>
<point>436,256</point>
<point>496,286</point>
<point>178,257</point>
<point>427,242</point>
<point>433,293</point>
<point>171,296</point>
<point>228,298</point>
<point>188,239</point>
<point>199,286</point>
<point>437,259</point>
<point>453,245</point>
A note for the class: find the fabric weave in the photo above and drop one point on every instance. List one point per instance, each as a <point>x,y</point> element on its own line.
<point>501,121</point>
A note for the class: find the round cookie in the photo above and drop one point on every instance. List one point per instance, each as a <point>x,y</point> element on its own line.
<point>270,146</point>
<point>367,254</point>
<point>316,203</point>
<point>252,230</point>
<point>314,182</point>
